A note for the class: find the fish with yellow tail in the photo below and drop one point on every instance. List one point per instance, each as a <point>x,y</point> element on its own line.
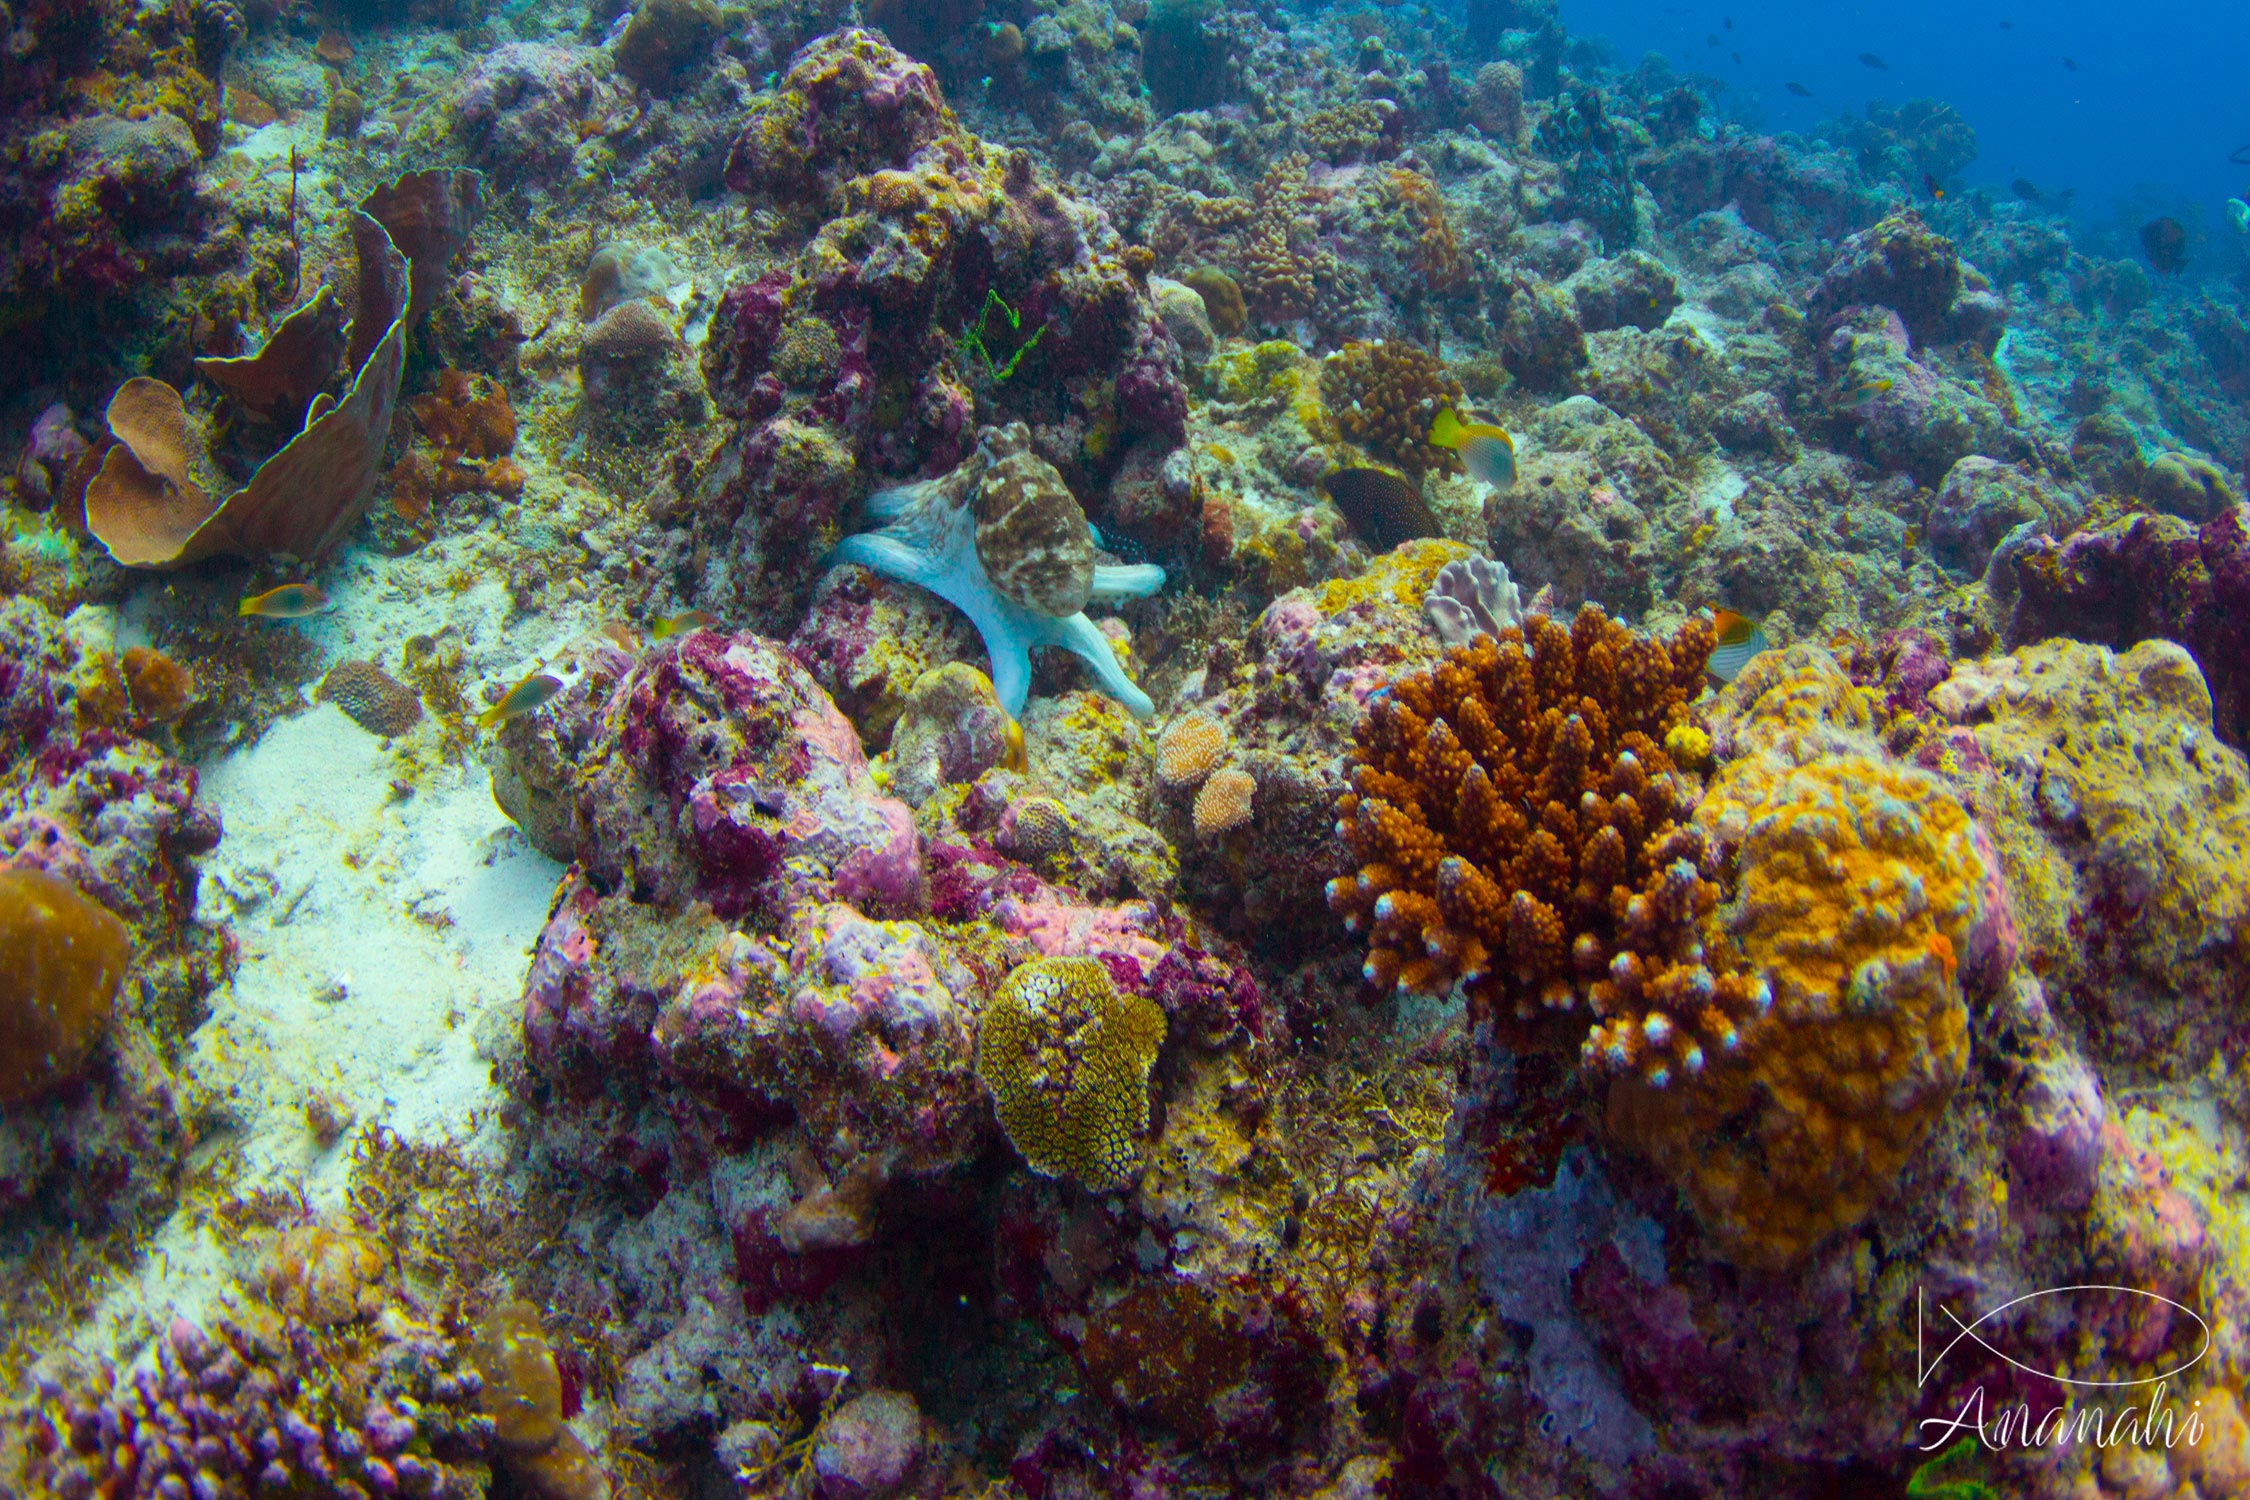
<point>292,601</point>
<point>1740,638</point>
<point>1487,452</point>
<point>682,623</point>
<point>538,688</point>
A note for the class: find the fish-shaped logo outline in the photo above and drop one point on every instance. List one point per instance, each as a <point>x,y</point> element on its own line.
<point>1925,1368</point>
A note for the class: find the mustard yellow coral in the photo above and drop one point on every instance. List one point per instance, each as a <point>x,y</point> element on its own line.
<point>62,957</point>
<point>1067,1058</point>
<point>1858,884</point>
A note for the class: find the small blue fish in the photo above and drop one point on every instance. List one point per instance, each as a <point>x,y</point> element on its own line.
<point>527,695</point>
<point>1487,452</point>
<point>1740,638</point>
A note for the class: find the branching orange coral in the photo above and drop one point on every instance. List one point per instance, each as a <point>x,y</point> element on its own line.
<point>1523,832</point>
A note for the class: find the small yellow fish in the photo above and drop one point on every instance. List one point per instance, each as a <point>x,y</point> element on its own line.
<point>521,699</point>
<point>1866,390</point>
<point>1701,534</point>
<point>681,623</point>
<point>1740,638</point>
<point>292,601</point>
<point>1486,451</point>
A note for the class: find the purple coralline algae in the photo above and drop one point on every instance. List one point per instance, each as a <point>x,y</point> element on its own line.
<point>2150,575</point>
<point>715,769</point>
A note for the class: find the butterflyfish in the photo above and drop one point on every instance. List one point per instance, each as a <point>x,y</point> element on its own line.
<point>1487,452</point>
<point>1740,638</point>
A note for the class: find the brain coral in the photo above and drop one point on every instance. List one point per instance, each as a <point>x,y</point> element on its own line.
<point>1859,883</point>
<point>1520,829</point>
<point>1067,1060</point>
<point>376,701</point>
<point>61,958</point>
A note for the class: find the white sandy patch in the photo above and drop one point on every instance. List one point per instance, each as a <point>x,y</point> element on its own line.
<point>379,938</point>
<point>382,947</point>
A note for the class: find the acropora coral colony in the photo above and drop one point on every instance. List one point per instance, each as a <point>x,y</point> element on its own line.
<point>1282,750</point>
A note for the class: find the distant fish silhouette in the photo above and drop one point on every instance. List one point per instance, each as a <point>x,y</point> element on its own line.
<point>2240,156</point>
<point>1711,41</point>
<point>1736,56</point>
<point>1932,186</point>
<point>2166,242</point>
<point>2071,63</point>
<point>1869,59</point>
<point>2007,25</point>
<point>1799,90</point>
<point>1730,23</point>
<point>2027,190</point>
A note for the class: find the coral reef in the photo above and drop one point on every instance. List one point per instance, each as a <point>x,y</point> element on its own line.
<point>1067,1060</point>
<point>928,240</point>
<point>1390,1008</point>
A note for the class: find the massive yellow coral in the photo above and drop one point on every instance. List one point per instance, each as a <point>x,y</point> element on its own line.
<point>1858,884</point>
<point>1067,1058</point>
<point>62,958</point>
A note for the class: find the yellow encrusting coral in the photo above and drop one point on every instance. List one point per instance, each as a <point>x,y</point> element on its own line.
<point>1067,1059</point>
<point>1858,885</point>
<point>523,1394</point>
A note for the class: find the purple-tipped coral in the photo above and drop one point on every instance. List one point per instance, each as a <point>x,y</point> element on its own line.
<point>262,1406</point>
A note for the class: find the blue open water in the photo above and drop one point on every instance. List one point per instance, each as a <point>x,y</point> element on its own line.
<point>2159,100</point>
